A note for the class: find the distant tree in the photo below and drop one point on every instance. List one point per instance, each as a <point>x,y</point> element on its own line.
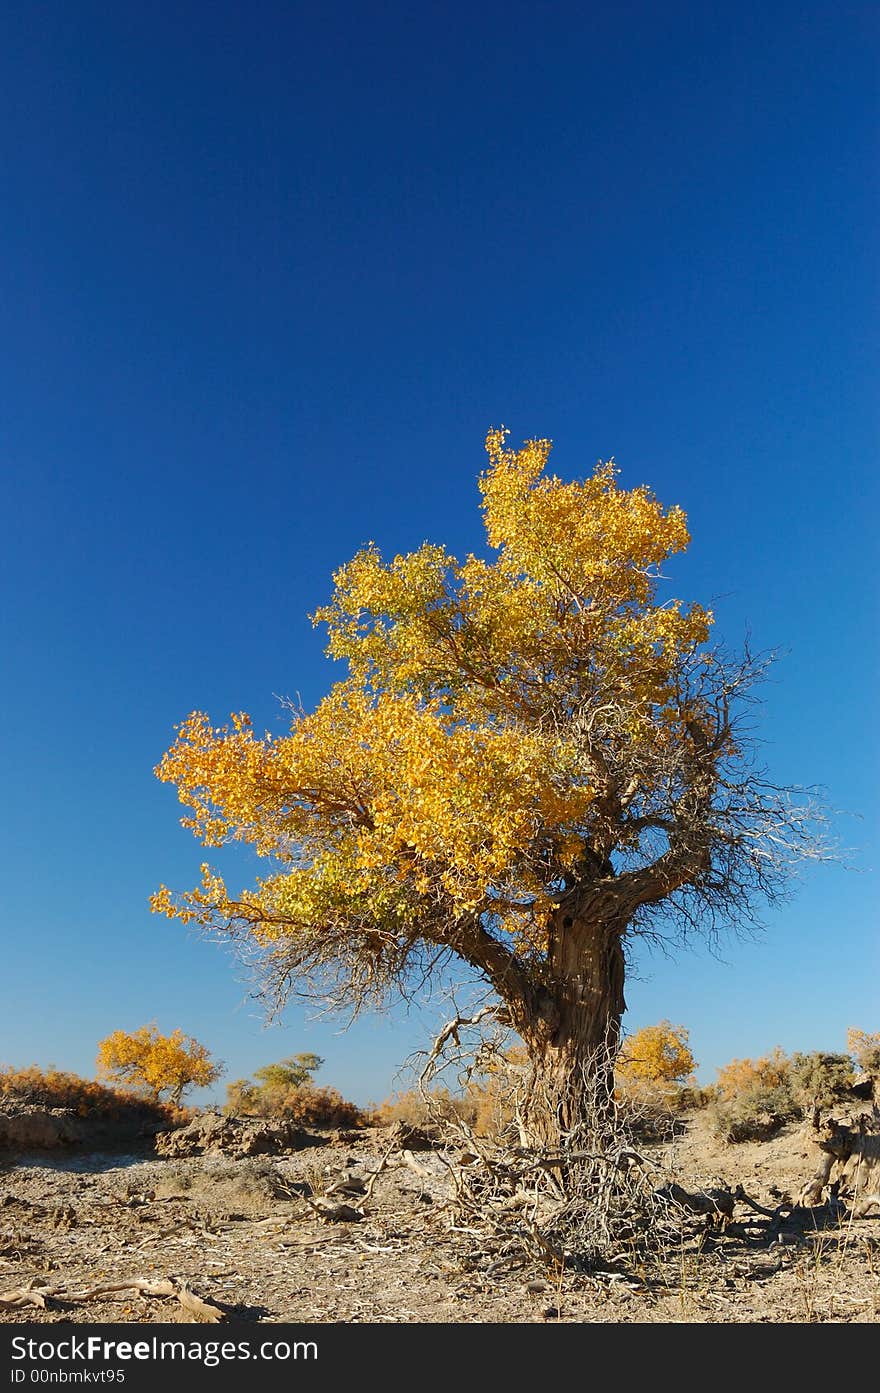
<point>293,1072</point>
<point>865,1050</point>
<point>656,1055</point>
<point>534,758</point>
<point>157,1064</point>
<point>241,1097</point>
<point>273,1085</point>
<point>818,1079</point>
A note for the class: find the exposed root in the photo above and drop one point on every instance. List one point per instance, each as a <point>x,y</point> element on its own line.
<point>40,1293</point>
<point>573,1204</point>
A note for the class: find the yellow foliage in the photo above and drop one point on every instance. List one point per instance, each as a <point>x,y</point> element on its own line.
<point>156,1063</point>
<point>655,1055</point>
<point>751,1075</point>
<point>423,1110</point>
<point>433,781</point>
<point>307,1105</point>
<point>864,1047</point>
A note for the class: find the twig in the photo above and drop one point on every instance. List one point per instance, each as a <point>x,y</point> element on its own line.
<point>376,1173</point>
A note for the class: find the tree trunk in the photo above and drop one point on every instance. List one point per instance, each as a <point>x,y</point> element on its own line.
<point>573,1035</point>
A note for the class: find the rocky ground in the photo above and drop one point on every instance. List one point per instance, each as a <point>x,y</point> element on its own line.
<point>245,1235</point>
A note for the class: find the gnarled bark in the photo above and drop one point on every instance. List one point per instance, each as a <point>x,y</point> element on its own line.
<point>573,1031</point>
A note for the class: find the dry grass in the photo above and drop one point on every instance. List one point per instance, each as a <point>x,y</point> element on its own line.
<point>55,1088</point>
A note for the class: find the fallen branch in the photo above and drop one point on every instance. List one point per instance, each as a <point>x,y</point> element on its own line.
<point>165,1286</point>
<point>740,1195</point>
<point>422,1171</point>
<point>20,1297</point>
<point>204,1311</point>
<point>376,1173</point>
<point>306,1242</point>
<point>333,1213</point>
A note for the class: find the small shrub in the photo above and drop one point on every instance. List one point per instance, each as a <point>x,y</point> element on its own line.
<point>819,1080</point>
<point>865,1050</point>
<point>753,1098</point>
<point>286,1090</point>
<point>693,1097</point>
<point>309,1106</point>
<point>755,1114</point>
<point>242,1097</point>
<point>742,1076</point>
<point>422,1111</point>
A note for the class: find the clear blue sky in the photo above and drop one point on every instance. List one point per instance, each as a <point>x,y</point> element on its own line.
<point>267,274</point>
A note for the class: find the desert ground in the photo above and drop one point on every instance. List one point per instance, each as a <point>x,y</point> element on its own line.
<point>245,1236</point>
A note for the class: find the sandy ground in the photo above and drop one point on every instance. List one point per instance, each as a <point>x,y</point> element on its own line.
<point>243,1234</point>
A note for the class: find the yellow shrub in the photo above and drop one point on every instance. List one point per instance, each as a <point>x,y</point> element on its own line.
<point>55,1088</point>
<point>309,1106</point>
<point>415,1109</point>
<point>750,1075</point>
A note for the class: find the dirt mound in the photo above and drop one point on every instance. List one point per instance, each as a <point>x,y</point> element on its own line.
<point>213,1135</point>
<point>38,1129</point>
<point>404,1137</point>
<point>223,1187</point>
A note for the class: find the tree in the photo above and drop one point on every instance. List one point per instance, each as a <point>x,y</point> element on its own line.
<point>533,759</point>
<point>275,1082</point>
<point>292,1072</point>
<point>156,1063</point>
<point>864,1048</point>
<point>656,1056</point>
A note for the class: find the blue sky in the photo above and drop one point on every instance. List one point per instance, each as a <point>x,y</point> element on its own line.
<point>267,275</point>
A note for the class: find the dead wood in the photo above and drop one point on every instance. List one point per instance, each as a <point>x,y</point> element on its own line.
<point>33,1294</point>
<point>849,1165</point>
<point>715,1204</point>
<point>741,1197</point>
<point>378,1171</point>
<point>174,1287</point>
<point>330,1213</point>
<point>347,1185</point>
<point>407,1138</point>
<point>412,1164</point>
<point>204,1311</point>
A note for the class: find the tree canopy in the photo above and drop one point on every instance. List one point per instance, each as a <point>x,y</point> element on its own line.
<point>157,1063</point>
<point>656,1055</point>
<point>533,755</point>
